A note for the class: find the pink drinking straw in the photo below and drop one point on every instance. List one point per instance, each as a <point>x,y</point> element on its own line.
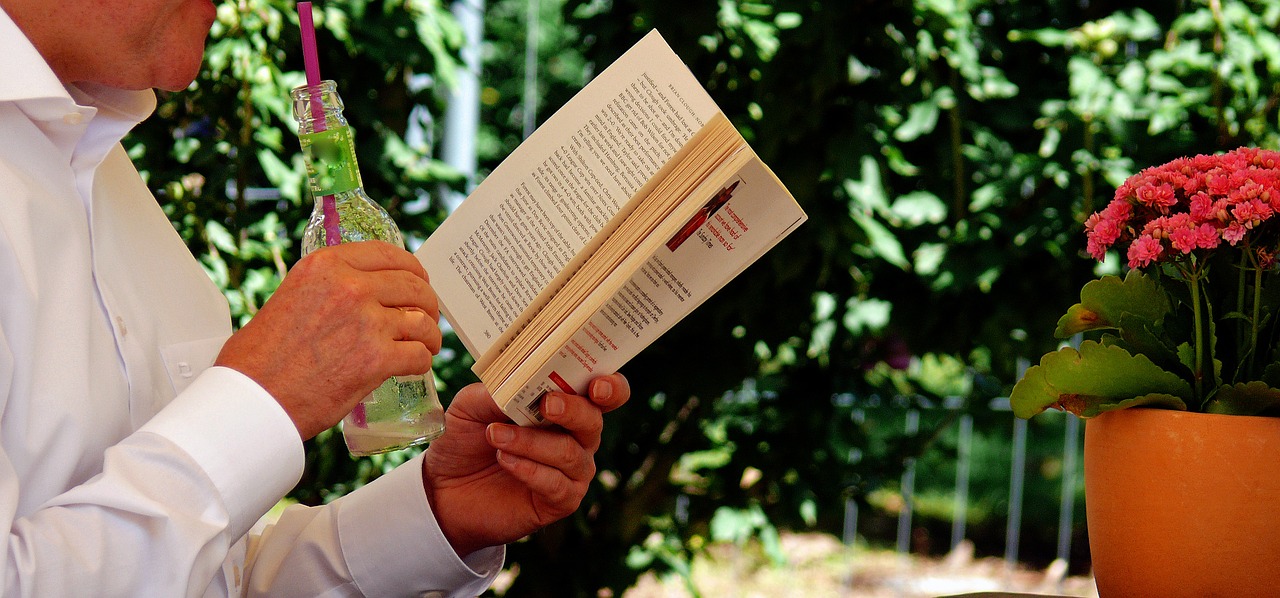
<point>311,63</point>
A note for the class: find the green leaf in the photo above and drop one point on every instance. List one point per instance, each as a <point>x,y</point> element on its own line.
<point>869,191</point>
<point>1094,379</point>
<point>1141,339</point>
<point>288,179</point>
<point>920,207</point>
<point>1049,144</point>
<point>1187,356</point>
<point>221,238</point>
<point>1110,302</point>
<point>881,241</point>
<point>788,20</point>
<point>1271,375</point>
<point>1155,400</point>
<point>922,118</point>
<point>928,258</point>
<point>1246,398</point>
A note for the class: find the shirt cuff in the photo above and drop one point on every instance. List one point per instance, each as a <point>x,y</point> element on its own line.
<point>393,544</point>
<point>240,436</point>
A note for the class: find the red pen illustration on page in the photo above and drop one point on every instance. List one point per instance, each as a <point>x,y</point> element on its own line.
<point>561,382</point>
<point>694,223</point>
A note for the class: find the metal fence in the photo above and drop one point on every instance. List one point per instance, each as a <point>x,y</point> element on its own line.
<point>964,429</point>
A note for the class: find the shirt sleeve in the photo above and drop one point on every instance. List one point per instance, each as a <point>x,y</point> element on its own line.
<point>171,499</point>
<point>169,514</point>
<point>381,540</point>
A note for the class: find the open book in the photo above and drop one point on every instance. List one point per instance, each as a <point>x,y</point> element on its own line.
<point>623,212</point>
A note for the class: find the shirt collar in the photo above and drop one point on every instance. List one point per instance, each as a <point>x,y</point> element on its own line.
<point>27,80</point>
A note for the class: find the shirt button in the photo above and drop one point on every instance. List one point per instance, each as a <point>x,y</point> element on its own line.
<point>73,118</point>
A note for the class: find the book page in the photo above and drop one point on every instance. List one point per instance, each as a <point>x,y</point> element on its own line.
<point>742,215</point>
<point>554,193</point>
<point>707,152</point>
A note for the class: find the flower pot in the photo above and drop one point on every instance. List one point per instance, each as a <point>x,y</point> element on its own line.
<point>1183,504</point>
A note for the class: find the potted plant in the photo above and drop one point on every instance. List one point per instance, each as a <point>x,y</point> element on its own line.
<point>1182,464</point>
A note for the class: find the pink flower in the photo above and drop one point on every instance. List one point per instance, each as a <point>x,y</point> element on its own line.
<point>1155,228</point>
<point>1195,204</point>
<point>1103,229</point>
<point>1252,212</point>
<point>1143,251</point>
<point>1233,233</point>
<point>1182,239</point>
<point>1160,196</point>
<point>1192,183</point>
<point>1202,207</point>
<point>1119,210</point>
<point>1207,236</point>
<point>1269,159</point>
<point>1188,236</point>
<point>1096,250</point>
<point>1218,182</point>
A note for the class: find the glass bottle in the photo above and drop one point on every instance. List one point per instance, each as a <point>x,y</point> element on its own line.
<point>405,410</point>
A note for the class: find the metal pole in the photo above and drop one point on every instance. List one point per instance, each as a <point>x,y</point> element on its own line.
<point>850,521</point>
<point>462,117</point>
<point>1070,450</point>
<point>1014,528</point>
<point>959,516</point>
<point>531,68</point>
<point>850,505</point>
<point>1070,453</point>
<point>908,488</point>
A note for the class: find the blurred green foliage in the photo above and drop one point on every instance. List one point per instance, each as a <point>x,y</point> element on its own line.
<point>945,150</point>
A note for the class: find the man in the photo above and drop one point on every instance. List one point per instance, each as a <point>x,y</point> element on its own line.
<point>138,444</point>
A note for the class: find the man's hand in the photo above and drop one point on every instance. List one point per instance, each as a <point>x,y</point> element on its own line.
<point>491,482</point>
<point>345,319</point>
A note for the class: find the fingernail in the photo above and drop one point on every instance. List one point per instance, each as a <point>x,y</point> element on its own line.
<point>508,459</point>
<point>601,390</point>
<point>553,404</point>
<point>499,434</point>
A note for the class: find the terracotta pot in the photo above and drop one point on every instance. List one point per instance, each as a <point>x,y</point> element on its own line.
<point>1183,504</point>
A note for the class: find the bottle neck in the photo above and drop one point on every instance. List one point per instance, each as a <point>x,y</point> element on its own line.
<point>328,147</point>
<point>317,107</point>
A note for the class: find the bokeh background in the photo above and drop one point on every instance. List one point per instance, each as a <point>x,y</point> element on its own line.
<point>848,386</point>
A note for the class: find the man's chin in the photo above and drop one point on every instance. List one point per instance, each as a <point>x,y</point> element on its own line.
<point>176,81</point>
<point>174,87</point>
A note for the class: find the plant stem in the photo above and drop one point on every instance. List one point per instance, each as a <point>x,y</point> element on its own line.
<point>1193,280</point>
<point>1253,322</point>
<point>1240,288</point>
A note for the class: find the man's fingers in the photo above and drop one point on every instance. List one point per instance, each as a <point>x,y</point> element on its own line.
<point>546,447</point>
<point>351,277</point>
<point>407,340</point>
<point>412,325</point>
<point>555,494</point>
<point>396,288</point>
<point>610,392</point>
<point>577,415</point>
<point>409,359</point>
<point>372,256</point>
<point>474,406</point>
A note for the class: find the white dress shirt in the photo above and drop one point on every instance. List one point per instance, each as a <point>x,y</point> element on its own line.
<point>128,465</point>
